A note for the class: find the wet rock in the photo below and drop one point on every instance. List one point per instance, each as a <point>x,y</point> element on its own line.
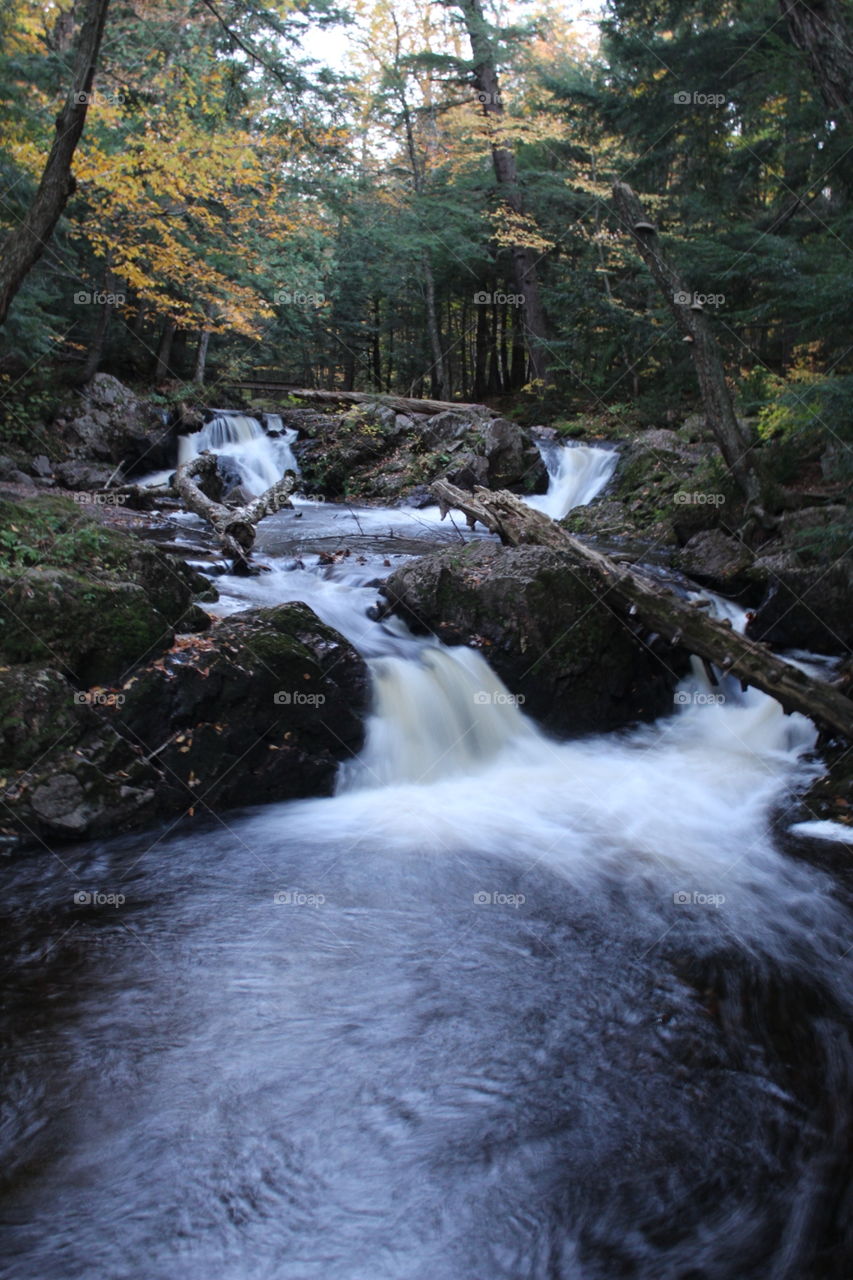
<point>262,708</point>
<point>110,423</point>
<point>81,476</point>
<point>717,560</point>
<point>804,606</point>
<point>513,460</point>
<point>541,625</point>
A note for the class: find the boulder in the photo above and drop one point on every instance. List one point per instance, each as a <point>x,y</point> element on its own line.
<point>85,599</point>
<point>579,665</point>
<point>83,475</point>
<point>514,462</point>
<point>804,606</point>
<point>442,429</point>
<point>717,560</point>
<point>112,424</point>
<point>262,708</point>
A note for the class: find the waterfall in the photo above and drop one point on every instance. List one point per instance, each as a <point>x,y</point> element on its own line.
<point>440,714</point>
<point>258,460</point>
<point>577,473</point>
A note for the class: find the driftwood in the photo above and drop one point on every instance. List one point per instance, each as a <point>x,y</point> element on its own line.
<point>402,404</point>
<point>235,527</point>
<point>652,603</point>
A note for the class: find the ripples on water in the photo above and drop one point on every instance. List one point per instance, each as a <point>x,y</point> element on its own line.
<point>539,1011</point>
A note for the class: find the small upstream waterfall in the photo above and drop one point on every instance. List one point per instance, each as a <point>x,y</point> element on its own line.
<point>577,473</point>
<point>259,459</point>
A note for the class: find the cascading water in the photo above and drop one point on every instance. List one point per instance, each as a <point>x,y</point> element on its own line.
<point>504,1008</point>
<point>258,459</point>
<point>577,473</point>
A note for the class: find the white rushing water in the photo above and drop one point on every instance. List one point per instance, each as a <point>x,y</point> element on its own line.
<point>258,458</point>
<point>577,473</point>
<point>503,1008</point>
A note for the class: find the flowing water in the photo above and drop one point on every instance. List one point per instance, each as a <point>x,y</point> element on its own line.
<point>577,474</point>
<point>504,1008</point>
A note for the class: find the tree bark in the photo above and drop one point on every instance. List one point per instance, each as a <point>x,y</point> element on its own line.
<point>524,259</point>
<point>657,607</point>
<point>235,527</point>
<point>201,356</point>
<point>24,246</point>
<point>99,340</point>
<point>819,29</point>
<point>403,404</point>
<point>734,441</point>
<point>164,351</point>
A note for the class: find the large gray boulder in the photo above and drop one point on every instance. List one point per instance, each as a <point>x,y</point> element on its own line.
<point>543,627</point>
<point>110,423</point>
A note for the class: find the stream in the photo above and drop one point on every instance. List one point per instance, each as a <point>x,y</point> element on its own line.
<point>503,1008</point>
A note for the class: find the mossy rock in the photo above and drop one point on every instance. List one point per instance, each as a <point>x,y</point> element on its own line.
<point>39,710</point>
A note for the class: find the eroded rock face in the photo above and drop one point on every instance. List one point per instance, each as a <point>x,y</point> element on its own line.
<point>261,708</point>
<point>109,423</point>
<point>540,623</point>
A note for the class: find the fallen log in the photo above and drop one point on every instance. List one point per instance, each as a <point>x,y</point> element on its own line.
<point>652,603</point>
<point>235,527</point>
<point>401,404</point>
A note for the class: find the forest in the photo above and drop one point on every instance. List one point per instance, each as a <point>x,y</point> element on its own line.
<point>426,644</point>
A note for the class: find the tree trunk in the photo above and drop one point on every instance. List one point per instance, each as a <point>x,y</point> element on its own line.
<point>164,351</point>
<point>819,29</point>
<point>24,246</point>
<point>734,441</point>
<point>524,259</point>
<point>234,527</point>
<point>439,365</point>
<point>403,404</point>
<point>201,356</point>
<point>99,340</point>
<point>657,607</point>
